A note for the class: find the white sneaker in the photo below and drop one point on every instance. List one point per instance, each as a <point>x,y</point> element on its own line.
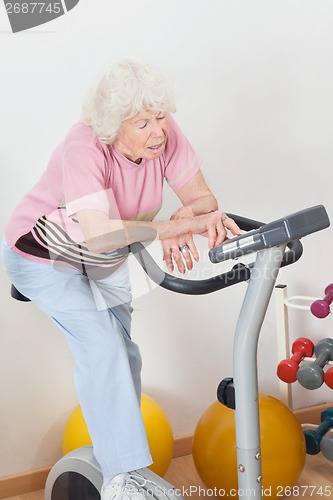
<point>127,486</point>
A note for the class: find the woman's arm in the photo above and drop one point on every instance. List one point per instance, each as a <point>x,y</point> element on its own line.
<point>196,197</point>
<point>103,235</point>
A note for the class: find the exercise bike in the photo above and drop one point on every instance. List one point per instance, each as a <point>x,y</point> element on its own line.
<point>77,476</point>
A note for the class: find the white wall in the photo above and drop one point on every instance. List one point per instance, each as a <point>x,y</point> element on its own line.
<point>254,84</point>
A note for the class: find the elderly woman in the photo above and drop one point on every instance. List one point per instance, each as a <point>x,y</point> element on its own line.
<point>100,192</point>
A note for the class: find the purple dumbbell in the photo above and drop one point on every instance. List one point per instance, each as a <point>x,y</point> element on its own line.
<point>321,308</point>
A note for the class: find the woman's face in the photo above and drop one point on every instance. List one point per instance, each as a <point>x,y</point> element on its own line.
<point>143,136</point>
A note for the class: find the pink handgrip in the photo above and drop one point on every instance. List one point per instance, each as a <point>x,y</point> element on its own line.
<point>321,308</point>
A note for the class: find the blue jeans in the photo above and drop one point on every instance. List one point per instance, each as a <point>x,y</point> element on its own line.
<point>95,316</point>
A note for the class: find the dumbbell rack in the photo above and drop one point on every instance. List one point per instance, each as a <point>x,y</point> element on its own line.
<point>283,302</point>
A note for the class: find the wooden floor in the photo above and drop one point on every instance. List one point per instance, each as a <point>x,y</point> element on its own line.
<point>316,480</point>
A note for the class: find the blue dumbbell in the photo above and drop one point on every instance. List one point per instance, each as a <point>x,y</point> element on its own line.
<point>314,437</point>
<point>312,376</point>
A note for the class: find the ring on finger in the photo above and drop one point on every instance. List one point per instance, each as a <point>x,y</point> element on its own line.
<point>224,218</point>
<point>184,249</point>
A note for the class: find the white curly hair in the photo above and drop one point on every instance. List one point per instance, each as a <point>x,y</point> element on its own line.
<point>125,89</point>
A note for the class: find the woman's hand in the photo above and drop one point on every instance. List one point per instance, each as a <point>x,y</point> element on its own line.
<point>180,250</point>
<point>214,226</point>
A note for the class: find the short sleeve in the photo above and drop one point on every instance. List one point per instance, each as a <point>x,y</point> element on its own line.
<point>84,179</point>
<point>181,160</point>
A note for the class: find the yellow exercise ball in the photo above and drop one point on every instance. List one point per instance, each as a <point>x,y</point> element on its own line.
<point>158,429</point>
<point>159,435</point>
<point>282,448</point>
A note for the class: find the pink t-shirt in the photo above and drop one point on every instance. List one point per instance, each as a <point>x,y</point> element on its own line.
<point>84,173</point>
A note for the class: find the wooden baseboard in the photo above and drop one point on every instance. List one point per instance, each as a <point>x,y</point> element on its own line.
<point>26,482</point>
<point>183,446</point>
<point>34,480</point>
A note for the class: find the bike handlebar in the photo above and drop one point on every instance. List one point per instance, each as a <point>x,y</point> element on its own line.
<point>286,230</point>
<point>190,287</point>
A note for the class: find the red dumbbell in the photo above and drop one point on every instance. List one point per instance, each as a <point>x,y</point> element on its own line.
<point>328,378</point>
<point>288,368</point>
<point>321,308</point>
